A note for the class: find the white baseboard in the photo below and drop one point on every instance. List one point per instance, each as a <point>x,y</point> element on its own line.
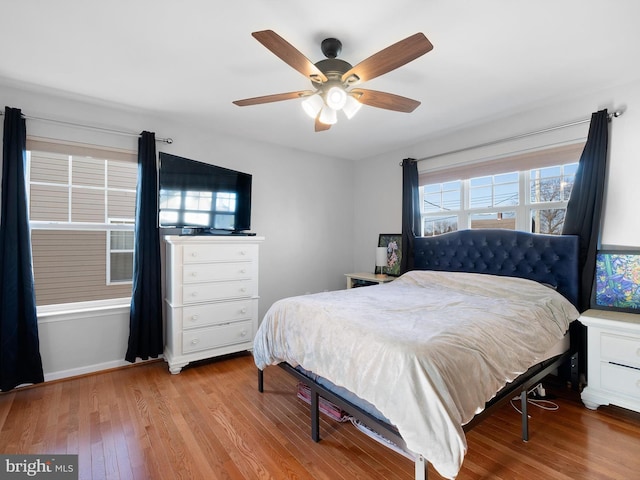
<point>84,370</point>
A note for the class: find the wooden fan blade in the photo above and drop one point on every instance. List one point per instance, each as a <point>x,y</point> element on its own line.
<point>289,54</point>
<point>321,127</point>
<point>388,101</point>
<point>273,98</point>
<point>389,59</point>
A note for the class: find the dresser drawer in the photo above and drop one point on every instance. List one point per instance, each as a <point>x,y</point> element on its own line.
<point>206,292</point>
<point>624,350</point>
<point>198,273</point>
<point>221,253</point>
<point>224,312</point>
<point>619,379</point>
<point>218,336</point>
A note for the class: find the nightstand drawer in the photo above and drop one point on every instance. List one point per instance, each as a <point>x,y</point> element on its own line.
<point>619,379</point>
<point>618,349</point>
<point>212,314</point>
<point>206,292</point>
<point>198,273</point>
<point>219,336</point>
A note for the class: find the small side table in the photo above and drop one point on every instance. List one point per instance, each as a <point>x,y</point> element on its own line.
<point>613,359</point>
<point>366,279</point>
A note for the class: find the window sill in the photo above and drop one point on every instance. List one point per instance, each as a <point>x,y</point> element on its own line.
<point>69,311</point>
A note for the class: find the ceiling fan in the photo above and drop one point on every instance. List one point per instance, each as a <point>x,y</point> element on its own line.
<point>334,79</point>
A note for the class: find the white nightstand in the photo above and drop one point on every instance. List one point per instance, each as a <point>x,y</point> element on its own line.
<point>613,359</point>
<point>364,279</point>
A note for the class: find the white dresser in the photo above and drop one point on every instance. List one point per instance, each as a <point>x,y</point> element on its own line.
<point>211,301</point>
<point>613,359</point>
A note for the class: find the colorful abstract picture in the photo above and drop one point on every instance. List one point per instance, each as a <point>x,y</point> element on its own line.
<point>617,281</point>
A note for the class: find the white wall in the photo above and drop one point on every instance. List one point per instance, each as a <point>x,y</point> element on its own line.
<point>378,181</point>
<point>302,205</point>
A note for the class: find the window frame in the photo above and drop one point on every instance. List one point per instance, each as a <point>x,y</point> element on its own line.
<point>106,154</point>
<point>522,163</point>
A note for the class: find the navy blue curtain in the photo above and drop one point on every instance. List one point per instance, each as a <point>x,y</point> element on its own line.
<point>20,360</point>
<point>410,211</point>
<point>583,218</point>
<point>584,209</point>
<point>145,319</point>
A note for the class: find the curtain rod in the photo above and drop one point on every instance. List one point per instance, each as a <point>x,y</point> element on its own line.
<point>91,127</point>
<point>615,114</point>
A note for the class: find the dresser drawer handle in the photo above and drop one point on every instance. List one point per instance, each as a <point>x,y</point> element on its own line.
<point>194,254</point>
<point>243,333</point>
<point>243,289</point>
<point>242,252</point>
<point>194,318</point>
<point>243,270</point>
<point>243,310</point>
<point>194,294</point>
<point>194,274</point>
<point>638,352</point>
<point>638,383</point>
<point>195,341</point>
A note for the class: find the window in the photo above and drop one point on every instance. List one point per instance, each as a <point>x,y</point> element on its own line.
<point>82,214</point>
<point>531,199</point>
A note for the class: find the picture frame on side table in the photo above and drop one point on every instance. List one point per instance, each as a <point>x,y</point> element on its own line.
<point>393,244</point>
<point>616,284</point>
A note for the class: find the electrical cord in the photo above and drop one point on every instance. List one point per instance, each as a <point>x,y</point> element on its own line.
<point>539,400</point>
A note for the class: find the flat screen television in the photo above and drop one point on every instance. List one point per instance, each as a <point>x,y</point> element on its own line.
<point>201,198</point>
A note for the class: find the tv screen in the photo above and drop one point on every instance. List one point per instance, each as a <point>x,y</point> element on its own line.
<point>617,281</point>
<point>203,197</point>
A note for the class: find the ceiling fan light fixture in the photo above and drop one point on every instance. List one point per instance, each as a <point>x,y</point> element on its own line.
<point>328,116</point>
<point>351,107</point>
<point>312,105</point>
<point>336,98</point>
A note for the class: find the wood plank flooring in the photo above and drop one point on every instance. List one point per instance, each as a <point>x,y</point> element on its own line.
<point>210,422</point>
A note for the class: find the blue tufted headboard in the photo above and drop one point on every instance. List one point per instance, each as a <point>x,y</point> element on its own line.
<point>550,259</point>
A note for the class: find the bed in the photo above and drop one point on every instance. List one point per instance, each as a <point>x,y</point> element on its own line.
<point>482,315</point>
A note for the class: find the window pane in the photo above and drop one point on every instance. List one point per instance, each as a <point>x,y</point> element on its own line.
<point>49,168</point>
<point>480,197</point>
<point>441,196</point>
<point>87,172</point>
<point>70,266</point>
<point>121,240</point>
<point>506,194</point>
<point>494,220</point>
<point>548,220</point>
<point>49,203</point>
<point>121,267</point>
<point>439,225</point>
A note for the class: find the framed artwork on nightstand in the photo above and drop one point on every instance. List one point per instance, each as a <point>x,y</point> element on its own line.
<point>393,243</point>
<point>616,284</point>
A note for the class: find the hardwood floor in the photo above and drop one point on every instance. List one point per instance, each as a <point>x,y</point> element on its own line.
<point>210,422</point>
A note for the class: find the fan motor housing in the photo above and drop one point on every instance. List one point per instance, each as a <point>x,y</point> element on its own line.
<point>333,68</point>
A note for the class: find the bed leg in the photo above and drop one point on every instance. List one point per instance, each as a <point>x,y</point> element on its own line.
<point>421,468</point>
<point>525,416</point>
<point>260,381</point>
<point>315,415</point>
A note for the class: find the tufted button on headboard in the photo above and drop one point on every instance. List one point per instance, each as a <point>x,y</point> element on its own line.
<point>549,259</point>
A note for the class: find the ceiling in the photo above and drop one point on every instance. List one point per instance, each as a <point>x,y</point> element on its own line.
<point>189,60</point>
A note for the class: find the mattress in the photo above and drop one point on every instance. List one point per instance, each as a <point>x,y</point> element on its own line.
<point>427,350</point>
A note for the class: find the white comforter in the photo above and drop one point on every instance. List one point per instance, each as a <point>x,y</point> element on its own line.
<point>428,350</point>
